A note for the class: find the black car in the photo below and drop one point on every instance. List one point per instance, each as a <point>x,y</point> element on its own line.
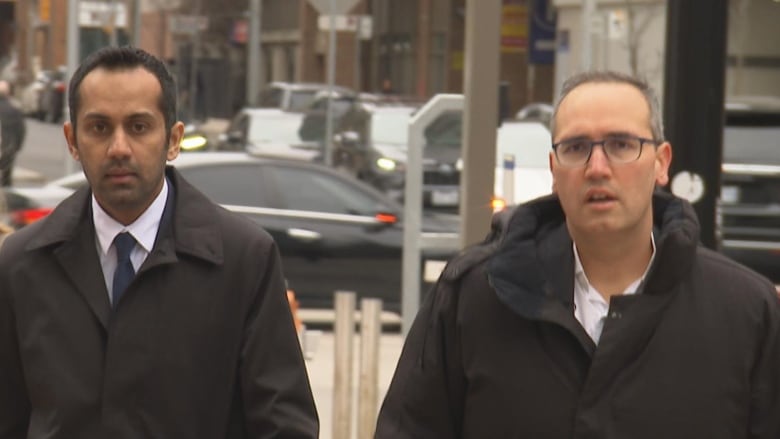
<point>371,144</point>
<point>750,190</point>
<point>333,232</point>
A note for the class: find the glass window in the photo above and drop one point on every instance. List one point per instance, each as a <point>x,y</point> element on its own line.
<point>751,145</point>
<point>271,98</point>
<point>302,189</point>
<point>445,130</point>
<point>300,100</point>
<point>236,184</point>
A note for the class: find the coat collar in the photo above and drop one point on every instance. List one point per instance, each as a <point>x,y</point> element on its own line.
<point>189,226</point>
<point>532,269</point>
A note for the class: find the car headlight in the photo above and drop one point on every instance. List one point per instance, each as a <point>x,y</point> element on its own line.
<point>192,143</point>
<point>729,194</point>
<point>386,164</point>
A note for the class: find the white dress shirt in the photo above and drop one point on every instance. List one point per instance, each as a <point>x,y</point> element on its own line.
<point>144,230</point>
<point>590,307</point>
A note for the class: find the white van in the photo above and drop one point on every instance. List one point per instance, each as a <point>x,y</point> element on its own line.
<point>522,147</point>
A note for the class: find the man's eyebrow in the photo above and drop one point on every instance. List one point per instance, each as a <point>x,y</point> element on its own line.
<point>620,134</point>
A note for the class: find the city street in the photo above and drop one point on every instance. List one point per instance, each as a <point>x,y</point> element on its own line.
<point>45,151</point>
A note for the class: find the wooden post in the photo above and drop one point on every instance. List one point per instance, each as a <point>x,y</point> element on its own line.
<point>344,330</point>
<point>368,385</point>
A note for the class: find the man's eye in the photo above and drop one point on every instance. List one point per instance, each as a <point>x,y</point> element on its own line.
<point>575,147</point>
<point>100,128</point>
<point>139,128</point>
<point>621,143</point>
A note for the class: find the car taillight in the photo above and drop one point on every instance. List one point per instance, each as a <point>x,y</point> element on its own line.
<point>386,218</point>
<point>60,87</point>
<point>29,216</point>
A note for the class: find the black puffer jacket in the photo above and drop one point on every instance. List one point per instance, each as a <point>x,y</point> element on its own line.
<point>496,351</point>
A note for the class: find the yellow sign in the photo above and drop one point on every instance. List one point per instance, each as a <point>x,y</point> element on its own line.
<point>514,28</point>
<point>44,10</point>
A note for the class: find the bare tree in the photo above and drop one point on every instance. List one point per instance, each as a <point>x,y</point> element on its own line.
<point>638,20</point>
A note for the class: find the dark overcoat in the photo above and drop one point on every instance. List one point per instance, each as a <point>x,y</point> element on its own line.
<point>496,352</point>
<point>202,344</point>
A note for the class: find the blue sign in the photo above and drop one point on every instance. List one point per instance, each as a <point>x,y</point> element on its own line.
<point>542,34</point>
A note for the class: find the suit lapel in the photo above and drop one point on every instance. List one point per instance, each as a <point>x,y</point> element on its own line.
<point>79,259</point>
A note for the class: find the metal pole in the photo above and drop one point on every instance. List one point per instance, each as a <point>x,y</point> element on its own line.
<point>483,21</point>
<point>193,89</point>
<point>72,58</point>
<point>112,23</point>
<point>368,384</point>
<point>588,11</point>
<point>331,84</point>
<point>137,23</point>
<point>358,54</point>
<point>344,330</point>
<point>253,58</point>
<point>32,18</point>
<point>694,94</point>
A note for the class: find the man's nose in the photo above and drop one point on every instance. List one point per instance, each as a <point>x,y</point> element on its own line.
<point>120,144</point>
<point>598,163</point>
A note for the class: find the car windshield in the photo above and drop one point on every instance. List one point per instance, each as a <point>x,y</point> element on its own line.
<point>300,100</point>
<point>391,127</point>
<point>752,145</point>
<point>280,129</point>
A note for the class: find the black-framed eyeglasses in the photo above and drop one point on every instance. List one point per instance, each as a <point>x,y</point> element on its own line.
<point>618,149</point>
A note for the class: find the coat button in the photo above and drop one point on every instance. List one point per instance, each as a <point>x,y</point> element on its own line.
<point>615,315</point>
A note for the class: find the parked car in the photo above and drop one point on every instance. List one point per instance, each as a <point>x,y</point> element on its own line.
<point>268,132</point>
<point>333,232</point>
<point>313,125</point>
<point>293,97</point>
<point>750,189</point>
<point>372,145</point>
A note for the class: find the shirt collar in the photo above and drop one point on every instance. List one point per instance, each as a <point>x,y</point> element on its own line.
<point>143,229</point>
<point>582,279</point>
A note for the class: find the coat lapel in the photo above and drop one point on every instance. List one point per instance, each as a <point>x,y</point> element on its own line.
<point>80,262</point>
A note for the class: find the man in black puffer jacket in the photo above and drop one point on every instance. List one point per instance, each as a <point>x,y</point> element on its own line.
<point>593,312</point>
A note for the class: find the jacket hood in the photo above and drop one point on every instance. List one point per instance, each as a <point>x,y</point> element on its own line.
<point>532,267</point>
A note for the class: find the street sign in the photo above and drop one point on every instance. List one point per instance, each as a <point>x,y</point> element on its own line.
<point>339,6</point>
<point>187,24</point>
<point>363,24</point>
<point>97,14</point>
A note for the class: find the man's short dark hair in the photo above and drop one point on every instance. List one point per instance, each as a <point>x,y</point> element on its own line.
<point>606,76</point>
<point>123,58</point>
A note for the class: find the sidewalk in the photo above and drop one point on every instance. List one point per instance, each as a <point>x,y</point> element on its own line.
<point>320,368</point>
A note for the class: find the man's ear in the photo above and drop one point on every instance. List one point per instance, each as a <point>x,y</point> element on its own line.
<point>663,159</point>
<point>174,142</point>
<point>70,138</point>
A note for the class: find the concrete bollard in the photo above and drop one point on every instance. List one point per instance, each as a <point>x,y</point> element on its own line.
<point>368,384</point>
<point>344,331</point>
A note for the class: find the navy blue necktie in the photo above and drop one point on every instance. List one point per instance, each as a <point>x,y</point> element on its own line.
<point>124,243</point>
